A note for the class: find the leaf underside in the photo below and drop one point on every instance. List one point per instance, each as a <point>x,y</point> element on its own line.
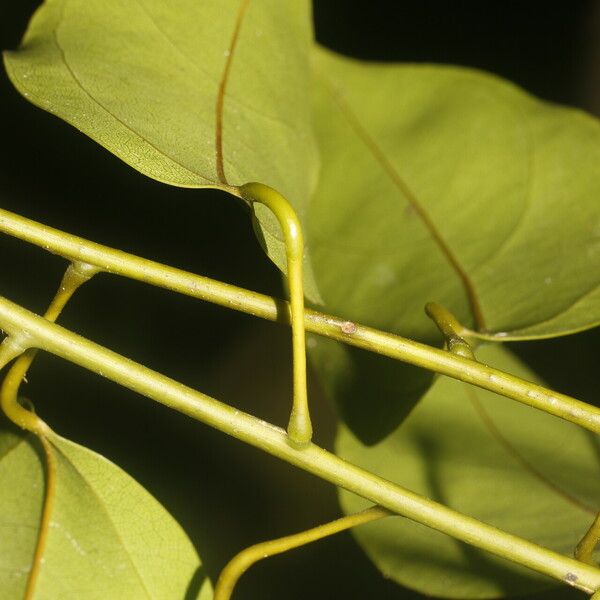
<point>449,185</point>
<point>143,79</point>
<point>108,538</point>
<point>436,184</point>
<point>492,458</point>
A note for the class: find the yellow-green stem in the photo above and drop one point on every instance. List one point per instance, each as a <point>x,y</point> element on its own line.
<point>266,307</point>
<point>75,275</point>
<point>450,328</point>
<point>299,427</point>
<point>587,545</point>
<point>240,563</point>
<point>57,340</point>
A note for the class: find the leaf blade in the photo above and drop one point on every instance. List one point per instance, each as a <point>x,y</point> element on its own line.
<point>108,537</point>
<point>449,185</point>
<point>145,80</point>
<point>446,451</point>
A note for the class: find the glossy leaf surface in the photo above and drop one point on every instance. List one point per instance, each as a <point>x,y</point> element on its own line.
<point>108,537</point>
<point>449,185</point>
<point>144,79</point>
<point>509,465</point>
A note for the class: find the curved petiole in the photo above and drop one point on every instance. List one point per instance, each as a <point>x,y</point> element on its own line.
<point>76,274</point>
<point>299,427</point>
<point>240,563</point>
<point>451,329</point>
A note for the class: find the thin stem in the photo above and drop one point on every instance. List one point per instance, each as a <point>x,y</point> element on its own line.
<point>299,427</point>
<point>588,543</point>
<point>451,329</point>
<point>75,275</point>
<point>57,340</point>
<point>266,307</point>
<point>240,563</point>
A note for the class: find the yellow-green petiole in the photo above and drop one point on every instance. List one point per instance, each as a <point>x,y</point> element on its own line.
<point>299,427</point>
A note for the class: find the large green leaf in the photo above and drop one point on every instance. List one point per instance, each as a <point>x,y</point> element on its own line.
<point>450,185</point>
<point>108,537</point>
<point>142,78</point>
<point>504,463</point>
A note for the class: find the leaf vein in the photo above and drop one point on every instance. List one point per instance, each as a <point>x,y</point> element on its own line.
<point>222,88</point>
<point>80,85</point>
<point>390,170</point>
<point>499,437</point>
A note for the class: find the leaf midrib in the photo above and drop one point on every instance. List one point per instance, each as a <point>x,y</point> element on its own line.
<point>379,155</point>
<point>220,103</point>
<point>194,64</point>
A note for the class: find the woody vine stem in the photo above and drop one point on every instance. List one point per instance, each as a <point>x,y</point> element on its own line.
<point>25,331</point>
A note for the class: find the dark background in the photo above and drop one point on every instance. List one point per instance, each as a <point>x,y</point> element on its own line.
<point>227,495</point>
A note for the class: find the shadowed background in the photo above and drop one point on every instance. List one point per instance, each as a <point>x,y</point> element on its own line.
<point>225,494</point>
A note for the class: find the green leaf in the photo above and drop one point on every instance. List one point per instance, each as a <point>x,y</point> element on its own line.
<point>449,185</point>
<point>143,78</point>
<point>108,537</point>
<point>495,459</point>
<point>373,393</point>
